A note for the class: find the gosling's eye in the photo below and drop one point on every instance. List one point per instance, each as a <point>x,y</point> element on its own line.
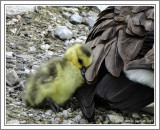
<point>80,60</point>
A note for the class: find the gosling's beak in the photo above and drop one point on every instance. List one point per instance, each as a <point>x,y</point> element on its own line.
<point>83,70</point>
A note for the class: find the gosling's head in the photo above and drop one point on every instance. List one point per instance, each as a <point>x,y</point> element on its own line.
<point>80,55</point>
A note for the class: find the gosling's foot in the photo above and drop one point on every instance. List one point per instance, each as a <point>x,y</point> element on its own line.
<point>51,103</point>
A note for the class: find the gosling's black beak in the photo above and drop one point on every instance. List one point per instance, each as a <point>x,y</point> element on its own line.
<point>83,70</point>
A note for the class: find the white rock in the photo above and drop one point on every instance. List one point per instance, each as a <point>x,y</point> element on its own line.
<point>76,19</point>
<point>14,30</point>
<point>63,32</point>
<point>78,118</point>
<point>12,78</point>
<point>30,43</point>
<point>13,122</point>
<point>49,53</point>
<point>66,122</point>
<point>32,49</point>
<point>72,10</point>
<point>33,71</point>
<point>72,41</point>
<point>11,22</point>
<point>115,118</point>
<point>30,115</point>
<point>45,47</point>
<point>82,37</point>
<point>91,14</point>
<point>67,43</point>
<point>66,15</point>
<point>135,115</point>
<point>78,40</point>
<point>49,112</point>
<point>9,54</point>
<point>90,21</point>
<point>65,113</point>
<point>27,71</point>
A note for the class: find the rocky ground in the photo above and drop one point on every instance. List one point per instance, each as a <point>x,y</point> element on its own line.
<point>34,37</point>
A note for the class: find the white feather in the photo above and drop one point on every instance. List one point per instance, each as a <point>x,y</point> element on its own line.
<point>142,76</point>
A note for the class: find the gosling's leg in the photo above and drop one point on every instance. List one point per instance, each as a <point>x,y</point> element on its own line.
<point>52,104</point>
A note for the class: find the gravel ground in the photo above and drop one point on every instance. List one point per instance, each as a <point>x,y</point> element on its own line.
<point>34,37</point>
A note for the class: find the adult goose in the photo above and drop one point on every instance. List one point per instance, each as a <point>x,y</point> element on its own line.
<point>121,75</point>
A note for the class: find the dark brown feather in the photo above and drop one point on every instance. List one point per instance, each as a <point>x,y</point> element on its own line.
<point>128,25</point>
<point>146,62</point>
<point>150,13</point>
<point>113,60</point>
<point>128,46</point>
<point>92,71</point>
<point>135,29</point>
<point>137,9</point>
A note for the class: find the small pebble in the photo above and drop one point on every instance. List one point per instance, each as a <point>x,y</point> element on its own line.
<point>63,32</point>
<point>135,115</point>
<point>76,19</point>
<point>9,54</point>
<point>12,78</point>
<point>49,112</point>
<point>115,118</point>
<point>45,47</point>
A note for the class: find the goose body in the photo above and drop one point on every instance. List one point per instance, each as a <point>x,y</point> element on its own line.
<point>121,75</point>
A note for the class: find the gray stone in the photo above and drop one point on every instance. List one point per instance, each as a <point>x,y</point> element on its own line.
<point>45,47</point>
<point>25,56</point>
<point>20,86</point>
<point>52,35</point>
<point>67,43</point>
<point>18,103</point>
<point>49,53</point>
<point>76,19</point>
<point>11,22</point>
<point>29,21</point>
<point>115,118</point>
<point>9,54</point>
<point>66,15</point>
<point>30,115</point>
<point>12,78</point>
<point>13,30</point>
<point>84,14</point>
<point>27,71</point>
<point>35,67</point>
<point>78,40</point>
<point>65,122</point>
<point>92,14</point>
<point>135,115</point>
<point>78,118</point>
<point>32,49</point>
<point>90,21</point>
<point>49,112</point>
<point>23,122</point>
<point>72,10</point>
<point>37,118</point>
<point>12,45</point>
<point>63,32</point>
<point>65,113</point>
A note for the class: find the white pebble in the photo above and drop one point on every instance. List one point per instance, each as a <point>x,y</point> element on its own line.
<point>45,47</point>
